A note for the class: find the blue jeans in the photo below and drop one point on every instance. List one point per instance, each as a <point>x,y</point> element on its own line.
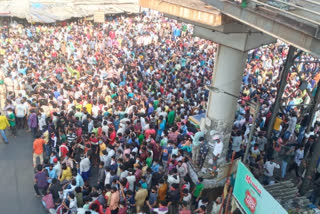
<point>275,133</point>
<point>284,168</point>
<point>47,149</point>
<point>4,136</point>
<point>286,135</point>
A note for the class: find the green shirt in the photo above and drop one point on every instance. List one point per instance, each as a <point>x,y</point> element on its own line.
<point>163,142</point>
<point>149,162</point>
<point>184,28</point>
<point>113,95</point>
<point>63,138</point>
<point>141,138</point>
<point>155,104</point>
<point>199,188</point>
<point>171,117</point>
<point>12,120</point>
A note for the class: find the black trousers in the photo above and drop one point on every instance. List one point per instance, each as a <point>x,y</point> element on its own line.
<point>114,211</point>
<point>21,122</point>
<point>294,167</point>
<point>40,191</point>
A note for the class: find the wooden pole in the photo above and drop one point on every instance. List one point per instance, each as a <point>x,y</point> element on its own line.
<point>253,126</point>
<point>228,175</point>
<point>313,109</point>
<point>228,201</point>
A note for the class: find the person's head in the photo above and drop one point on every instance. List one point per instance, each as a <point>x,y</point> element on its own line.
<point>38,135</point>
<point>108,187</point>
<point>203,208</point>
<point>271,159</point>
<point>64,166</point>
<point>114,189</point>
<point>129,193</point>
<point>101,164</point>
<point>71,196</point>
<point>39,167</point>
<point>185,192</point>
<point>78,190</point>
<point>200,179</point>
<point>153,189</point>
<point>201,139</point>
<point>50,166</point>
<point>301,147</point>
<point>163,203</point>
<point>184,204</point>
<point>218,200</point>
<point>138,185</point>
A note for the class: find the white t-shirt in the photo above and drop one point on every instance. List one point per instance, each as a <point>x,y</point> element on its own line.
<point>187,198</point>
<point>270,168</point>
<point>218,147</point>
<point>20,110</point>
<point>131,179</point>
<point>95,111</point>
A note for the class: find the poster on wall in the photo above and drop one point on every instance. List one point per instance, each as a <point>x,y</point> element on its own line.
<point>251,195</point>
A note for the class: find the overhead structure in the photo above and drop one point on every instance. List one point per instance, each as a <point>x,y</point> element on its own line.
<point>298,25</point>
<point>50,11</point>
<point>238,28</point>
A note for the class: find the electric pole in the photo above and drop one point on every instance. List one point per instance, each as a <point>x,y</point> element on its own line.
<point>316,151</point>
<point>283,82</point>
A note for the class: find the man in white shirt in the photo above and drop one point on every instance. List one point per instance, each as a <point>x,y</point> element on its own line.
<point>131,179</point>
<point>21,112</point>
<point>57,166</point>
<point>217,150</point>
<point>297,160</point>
<point>269,167</point>
<point>85,168</point>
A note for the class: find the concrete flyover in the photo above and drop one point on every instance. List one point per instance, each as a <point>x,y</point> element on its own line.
<point>298,26</point>
<point>238,28</point>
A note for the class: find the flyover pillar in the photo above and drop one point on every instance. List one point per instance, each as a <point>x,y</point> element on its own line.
<point>227,76</point>
<point>230,62</point>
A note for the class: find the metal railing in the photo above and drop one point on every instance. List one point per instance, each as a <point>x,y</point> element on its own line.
<point>259,2</point>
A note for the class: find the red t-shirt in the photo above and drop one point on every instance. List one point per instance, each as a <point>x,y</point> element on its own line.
<point>112,137</point>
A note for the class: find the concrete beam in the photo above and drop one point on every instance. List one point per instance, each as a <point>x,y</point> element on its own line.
<point>294,32</point>
<point>193,10</point>
<point>239,41</point>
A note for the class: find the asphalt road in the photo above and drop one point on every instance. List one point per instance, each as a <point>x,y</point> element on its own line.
<point>16,178</point>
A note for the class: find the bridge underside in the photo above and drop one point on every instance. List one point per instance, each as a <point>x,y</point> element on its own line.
<point>229,17</point>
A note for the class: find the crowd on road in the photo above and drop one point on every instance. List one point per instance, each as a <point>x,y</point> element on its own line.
<point>108,106</point>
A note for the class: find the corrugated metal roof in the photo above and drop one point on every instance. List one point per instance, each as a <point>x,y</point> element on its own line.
<point>49,11</point>
<point>287,194</point>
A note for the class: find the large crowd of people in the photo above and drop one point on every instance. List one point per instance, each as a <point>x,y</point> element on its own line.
<point>108,106</point>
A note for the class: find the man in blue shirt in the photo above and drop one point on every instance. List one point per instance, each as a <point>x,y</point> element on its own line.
<point>78,177</point>
<point>51,172</point>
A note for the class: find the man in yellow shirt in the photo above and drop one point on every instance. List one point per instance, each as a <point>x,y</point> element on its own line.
<point>277,125</point>
<point>4,123</point>
<point>66,174</point>
<point>102,147</point>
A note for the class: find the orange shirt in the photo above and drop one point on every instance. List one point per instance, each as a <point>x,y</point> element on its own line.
<point>38,146</point>
<point>162,192</point>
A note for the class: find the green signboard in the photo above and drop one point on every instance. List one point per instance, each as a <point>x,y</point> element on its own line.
<point>251,195</point>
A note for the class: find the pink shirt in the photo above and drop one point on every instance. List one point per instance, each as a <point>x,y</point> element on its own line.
<point>114,201</point>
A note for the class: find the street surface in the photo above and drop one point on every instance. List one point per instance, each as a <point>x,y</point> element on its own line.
<point>16,182</point>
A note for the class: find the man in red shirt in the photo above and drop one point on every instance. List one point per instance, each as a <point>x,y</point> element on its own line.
<point>63,150</point>
<point>112,135</point>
